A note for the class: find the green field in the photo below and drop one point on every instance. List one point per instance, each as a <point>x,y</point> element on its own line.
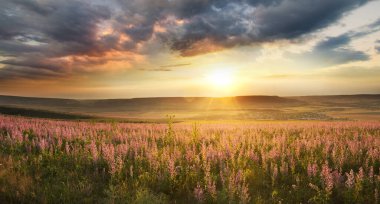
<point>350,107</point>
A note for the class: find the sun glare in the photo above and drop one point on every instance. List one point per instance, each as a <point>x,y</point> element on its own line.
<point>220,78</point>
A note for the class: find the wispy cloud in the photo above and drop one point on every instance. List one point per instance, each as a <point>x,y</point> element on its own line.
<point>165,68</point>
<point>156,69</point>
<point>175,65</point>
<point>337,50</point>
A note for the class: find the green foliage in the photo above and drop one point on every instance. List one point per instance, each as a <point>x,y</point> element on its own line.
<point>124,163</point>
<point>144,196</point>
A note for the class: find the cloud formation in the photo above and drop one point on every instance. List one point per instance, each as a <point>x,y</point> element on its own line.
<point>377,47</point>
<point>331,51</point>
<point>42,38</point>
<point>337,50</point>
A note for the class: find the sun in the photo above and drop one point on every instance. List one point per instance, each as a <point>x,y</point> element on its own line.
<point>220,78</point>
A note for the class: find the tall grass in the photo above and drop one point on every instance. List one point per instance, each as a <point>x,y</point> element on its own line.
<point>45,161</point>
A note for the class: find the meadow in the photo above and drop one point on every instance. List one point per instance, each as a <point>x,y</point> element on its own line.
<point>55,161</point>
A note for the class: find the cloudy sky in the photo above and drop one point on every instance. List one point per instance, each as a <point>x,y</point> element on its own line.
<point>148,48</point>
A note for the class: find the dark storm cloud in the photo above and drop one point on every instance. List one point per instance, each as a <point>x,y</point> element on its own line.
<point>37,34</point>
<point>57,22</point>
<point>140,33</point>
<point>238,22</point>
<point>35,6</point>
<point>76,23</point>
<point>230,23</point>
<point>290,19</point>
<point>13,49</point>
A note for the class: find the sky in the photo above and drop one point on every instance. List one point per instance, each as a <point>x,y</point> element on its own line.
<point>159,48</point>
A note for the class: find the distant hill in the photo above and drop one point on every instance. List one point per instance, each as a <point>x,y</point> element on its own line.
<point>41,113</point>
<point>368,101</point>
<point>239,107</point>
<point>167,103</point>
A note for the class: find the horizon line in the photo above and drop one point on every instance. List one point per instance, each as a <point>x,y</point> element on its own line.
<point>155,97</point>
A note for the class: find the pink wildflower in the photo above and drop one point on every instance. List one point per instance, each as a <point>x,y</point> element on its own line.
<point>199,193</point>
<point>350,182</point>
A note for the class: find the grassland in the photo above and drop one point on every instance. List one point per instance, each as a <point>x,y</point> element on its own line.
<point>42,113</point>
<point>53,161</point>
<point>351,107</point>
<point>253,149</point>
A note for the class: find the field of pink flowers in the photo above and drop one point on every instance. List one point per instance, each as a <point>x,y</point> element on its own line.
<point>48,161</point>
